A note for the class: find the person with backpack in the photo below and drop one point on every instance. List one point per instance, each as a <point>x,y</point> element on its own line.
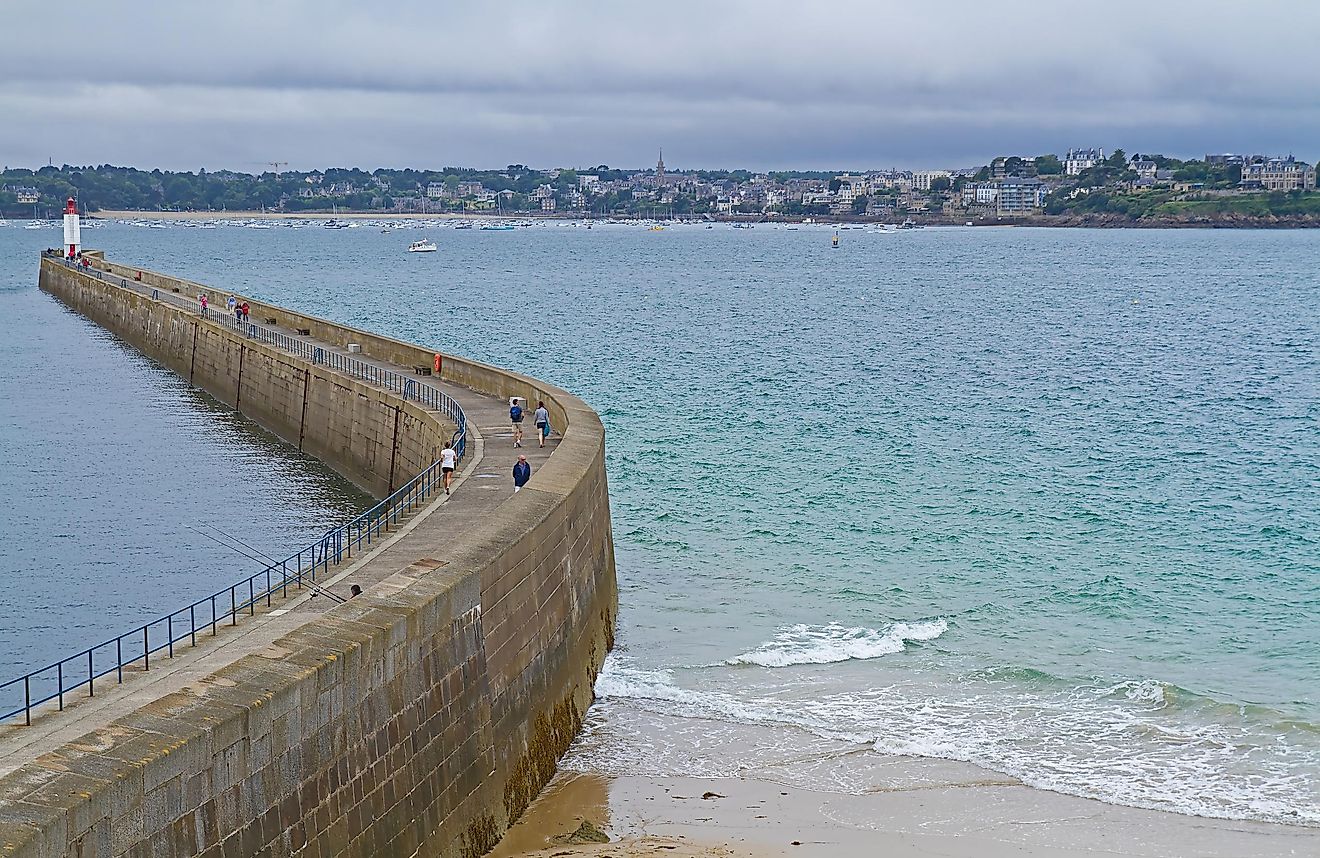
<point>516,417</point>
<point>542,420</point>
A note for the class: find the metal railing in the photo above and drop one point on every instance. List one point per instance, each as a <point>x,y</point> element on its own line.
<point>300,571</point>
<point>407,387</point>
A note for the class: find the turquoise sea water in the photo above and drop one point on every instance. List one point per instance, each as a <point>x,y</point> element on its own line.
<point>1043,500</point>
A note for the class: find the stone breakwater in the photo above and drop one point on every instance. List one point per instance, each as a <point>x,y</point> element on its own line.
<point>419,719</point>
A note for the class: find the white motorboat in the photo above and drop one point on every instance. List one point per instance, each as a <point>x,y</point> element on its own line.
<point>422,246</point>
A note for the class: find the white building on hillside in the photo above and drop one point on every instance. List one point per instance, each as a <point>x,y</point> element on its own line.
<point>1021,196</point>
<point>1144,168</point>
<point>1279,174</point>
<point>921,180</point>
<point>851,187</point>
<point>980,194</point>
<point>1078,160</point>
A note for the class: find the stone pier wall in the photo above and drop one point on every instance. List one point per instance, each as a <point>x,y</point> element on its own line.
<point>370,435</point>
<point>417,720</point>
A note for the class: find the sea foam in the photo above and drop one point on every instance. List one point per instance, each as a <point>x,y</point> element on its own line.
<point>804,644</point>
<point>1120,743</point>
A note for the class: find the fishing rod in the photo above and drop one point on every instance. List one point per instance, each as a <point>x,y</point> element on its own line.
<point>259,553</point>
<point>316,590</point>
<point>255,557</point>
<point>273,562</point>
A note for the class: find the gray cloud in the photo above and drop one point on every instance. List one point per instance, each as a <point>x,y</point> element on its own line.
<point>760,84</point>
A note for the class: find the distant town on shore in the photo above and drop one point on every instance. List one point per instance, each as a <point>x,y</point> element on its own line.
<point>1081,187</point>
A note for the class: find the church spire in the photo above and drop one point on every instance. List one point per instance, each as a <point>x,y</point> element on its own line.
<point>660,165</point>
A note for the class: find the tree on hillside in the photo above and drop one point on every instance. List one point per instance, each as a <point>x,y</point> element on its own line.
<point>179,191</point>
<point>1048,165</point>
<point>940,184</point>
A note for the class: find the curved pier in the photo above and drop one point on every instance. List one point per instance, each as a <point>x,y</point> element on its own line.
<point>418,719</point>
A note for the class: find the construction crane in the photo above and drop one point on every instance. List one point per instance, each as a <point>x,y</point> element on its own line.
<point>277,165</point>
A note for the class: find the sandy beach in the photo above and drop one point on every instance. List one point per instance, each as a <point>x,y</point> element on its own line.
<point>949,809</point>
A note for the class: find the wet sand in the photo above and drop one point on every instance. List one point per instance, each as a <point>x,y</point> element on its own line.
<point>952,810</point>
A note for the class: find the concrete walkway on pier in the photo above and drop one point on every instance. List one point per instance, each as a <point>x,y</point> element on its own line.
<point>484,479</point>
<point>483,482</point>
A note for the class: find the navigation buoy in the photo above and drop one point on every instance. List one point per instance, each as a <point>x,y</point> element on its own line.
<point>72,230</point>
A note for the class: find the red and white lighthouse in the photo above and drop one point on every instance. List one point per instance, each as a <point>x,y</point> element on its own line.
<point>72,230</point>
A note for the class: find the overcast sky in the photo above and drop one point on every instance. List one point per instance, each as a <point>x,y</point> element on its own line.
<point>761,84</point>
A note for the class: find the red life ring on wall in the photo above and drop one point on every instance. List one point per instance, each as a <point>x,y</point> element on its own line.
<point>439,362</point>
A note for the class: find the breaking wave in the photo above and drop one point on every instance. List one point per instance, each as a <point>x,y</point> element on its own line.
<point>1141,742</point>
<point>804,644</point>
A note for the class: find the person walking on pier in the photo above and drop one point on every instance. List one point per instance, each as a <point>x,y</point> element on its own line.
<point>516,417</point>
<point>245,309</point>
<point>522,472</point>
<point>448,461</point>
<point>231,304</point>
<point>542,420</point>
<point>201,299</point>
